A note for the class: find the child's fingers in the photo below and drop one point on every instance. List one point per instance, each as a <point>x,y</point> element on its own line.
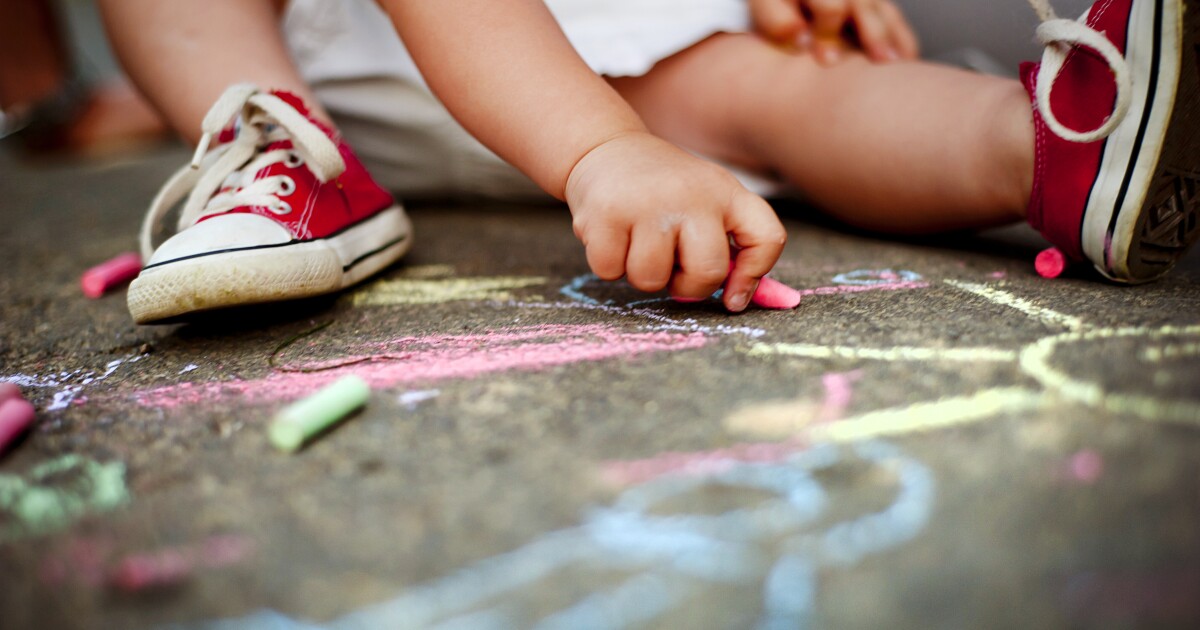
<point>778,20</point>
<point>760,238</point>
<point>904,39</point>
<point>606,250</point>
<point>828,20</point>
<point>703,258</point>
<point>872,29</point>
<point>651,258</point>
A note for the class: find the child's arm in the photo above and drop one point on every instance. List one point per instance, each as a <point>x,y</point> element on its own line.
<point>642,207</point>
<point>881,28</point>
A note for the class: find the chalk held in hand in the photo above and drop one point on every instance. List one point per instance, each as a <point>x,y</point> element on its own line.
<point>772,293</point>
<point>1050,263</point>
<point>16,414</point>
<point>300,421</point>
<point>108,275</point>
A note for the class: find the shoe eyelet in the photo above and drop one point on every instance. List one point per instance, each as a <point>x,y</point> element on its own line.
<point>281,208</point>
<point>287,186</point>
<point>293,160</point>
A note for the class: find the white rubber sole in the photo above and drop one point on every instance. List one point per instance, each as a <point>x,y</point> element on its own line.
<point>270,273</point>
<point>1141,215</point>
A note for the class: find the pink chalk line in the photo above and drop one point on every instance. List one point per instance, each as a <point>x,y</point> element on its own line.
<point>435,358</point>
<point>858,288</point>
<point>1085,467</point>
<point>695,464</point>
<point>838,394</point>
<point>169,566</point>
<point>839,391</point>
<point>90,561</point>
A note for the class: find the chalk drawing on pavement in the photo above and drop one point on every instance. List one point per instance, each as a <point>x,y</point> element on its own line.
<point>56,493</point>
<point>669,559</point>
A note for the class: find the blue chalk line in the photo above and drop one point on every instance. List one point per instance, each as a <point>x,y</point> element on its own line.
<point>670,556</point>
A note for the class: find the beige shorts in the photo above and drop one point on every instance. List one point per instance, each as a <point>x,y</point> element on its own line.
<point>349,52</point>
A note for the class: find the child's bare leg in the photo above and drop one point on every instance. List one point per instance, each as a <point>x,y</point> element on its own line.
<point>900,147</point>
<point>182,54</point>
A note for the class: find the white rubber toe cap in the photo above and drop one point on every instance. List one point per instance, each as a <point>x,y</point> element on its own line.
<point>223,233</point>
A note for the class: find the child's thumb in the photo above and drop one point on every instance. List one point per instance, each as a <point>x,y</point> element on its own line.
<point>758,239</point>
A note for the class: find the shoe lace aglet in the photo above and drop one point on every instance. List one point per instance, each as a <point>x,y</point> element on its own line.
<point>201,149</point>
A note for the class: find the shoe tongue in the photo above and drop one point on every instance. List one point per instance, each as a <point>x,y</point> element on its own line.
<point>297,104</point>
<point>291,99</point>
<point>279,144</point>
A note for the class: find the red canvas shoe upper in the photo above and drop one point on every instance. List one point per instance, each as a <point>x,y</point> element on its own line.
<point>278,162</point>
<point>1083,97</point>
<point>318,209</point>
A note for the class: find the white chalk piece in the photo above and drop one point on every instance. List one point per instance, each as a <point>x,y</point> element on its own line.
<point>301,421</point>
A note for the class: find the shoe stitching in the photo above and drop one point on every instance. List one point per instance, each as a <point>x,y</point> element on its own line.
<point>309,206</point>
<point>1039,164</point>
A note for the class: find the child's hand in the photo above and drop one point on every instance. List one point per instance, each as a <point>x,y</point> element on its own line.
<point>651,212</point>
<point>883,32</point>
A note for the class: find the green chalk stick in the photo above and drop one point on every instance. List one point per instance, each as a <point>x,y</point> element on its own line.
<point>307,417</point>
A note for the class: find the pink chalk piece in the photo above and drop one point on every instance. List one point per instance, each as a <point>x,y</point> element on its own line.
<point>16,414</point>
<point>108,275</point>
<point>9,390</point>
<point>1050,263</point>
<point>772,293</point>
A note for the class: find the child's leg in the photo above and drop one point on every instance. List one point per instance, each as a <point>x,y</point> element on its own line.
<point>900,147</point>
<point>183,54</point>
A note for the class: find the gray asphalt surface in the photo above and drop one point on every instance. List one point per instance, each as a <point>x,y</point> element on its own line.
<point>935,438</point>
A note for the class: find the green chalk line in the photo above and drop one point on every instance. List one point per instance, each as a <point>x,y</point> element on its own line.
<point>76,486</point>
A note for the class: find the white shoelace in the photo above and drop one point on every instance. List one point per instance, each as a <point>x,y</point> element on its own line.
<point>1058,36</point>
<point>264,118</point>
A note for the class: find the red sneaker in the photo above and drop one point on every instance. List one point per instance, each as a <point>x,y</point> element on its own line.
<point>282,209</point>
<point>1126,194</point>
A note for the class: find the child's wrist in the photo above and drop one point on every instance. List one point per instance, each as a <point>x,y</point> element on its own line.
<point>579,169</point>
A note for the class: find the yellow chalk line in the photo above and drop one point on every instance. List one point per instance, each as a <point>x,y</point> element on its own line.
<point>1172,351</point>
<point>425,272</point>
<point>928,416</point>
<point>813,351</point>
<point>1035,361</point>
<point>915,418</point>
<point>1004,298</point>
<point>412,291</point>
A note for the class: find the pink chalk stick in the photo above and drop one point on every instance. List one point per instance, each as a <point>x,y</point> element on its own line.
<point>1050,263</point>
<point>775,294</point>
<point>772,293</point>
<point>107,275</point>
<point>9,390</point>
<point>16,414</point>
